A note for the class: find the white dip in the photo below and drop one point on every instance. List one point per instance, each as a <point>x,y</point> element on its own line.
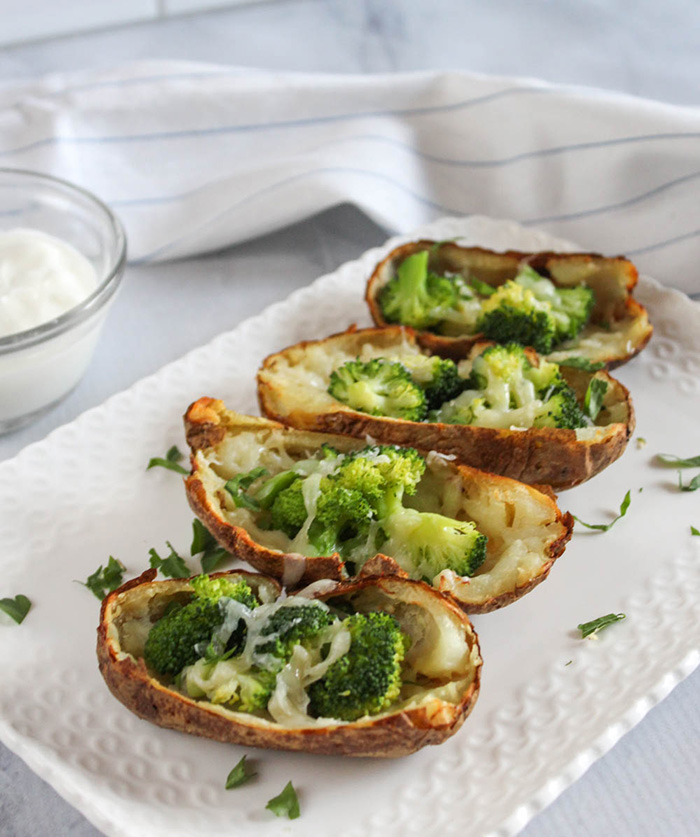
<point>41,277</point>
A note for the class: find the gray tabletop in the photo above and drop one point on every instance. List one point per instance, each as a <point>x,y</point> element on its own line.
<point>647,785</point>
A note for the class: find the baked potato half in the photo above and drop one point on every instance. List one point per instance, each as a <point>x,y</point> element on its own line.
<point>618,327</point>
<point>519,529</point>
<point>293,389</point>
<point>437,679</point>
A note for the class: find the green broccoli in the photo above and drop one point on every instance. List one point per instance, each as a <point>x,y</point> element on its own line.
<point>290,625</point>
<point>367,679</point>
<point>513,313</point>
<point>341,521</point>
<point>288,512</point>
<point>364,486</point>
<point>170,644</point>
<point>505,389</point>
<point>430,543</point>
<point>415,297</point>
<point>378,387</point>
<point>438,377</point>
<point>213,589</point>
<point>532,311</point>
<point>561,410</point>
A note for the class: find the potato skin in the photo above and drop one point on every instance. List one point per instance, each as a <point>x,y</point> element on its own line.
<point>207,421</point>
<point>613,298</point>
<point>544,456</point>
<point>397,734</point>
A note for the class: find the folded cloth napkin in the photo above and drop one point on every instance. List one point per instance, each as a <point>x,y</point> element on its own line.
<point>195,157</point>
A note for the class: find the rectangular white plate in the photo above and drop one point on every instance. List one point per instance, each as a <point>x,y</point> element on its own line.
<point>83,494</point>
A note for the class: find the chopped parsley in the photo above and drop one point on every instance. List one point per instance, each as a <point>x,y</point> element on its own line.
<point>205,543</point>
<point>238,486</point>
<point>170,461</point>
<point>597,625</point>
<point>671,461</point>
<point>603,527</point>
<point>16,608</point>
<point>693,485</point>
<point>593,400</point>
<point>173,566</point>
<point>286,804</point>
<point>105,579</point>
<point>239,775</point>
<point>582,363</point>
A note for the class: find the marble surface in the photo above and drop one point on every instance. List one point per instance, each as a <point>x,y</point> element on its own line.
<point>647,784</point>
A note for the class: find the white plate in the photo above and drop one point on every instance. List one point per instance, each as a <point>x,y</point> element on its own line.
<point>82,494</point>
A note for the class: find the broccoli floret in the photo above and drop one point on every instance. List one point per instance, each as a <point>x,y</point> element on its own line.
<point>561,410</point>
<point>291,624</point>
<point>367,679</point>
<point>570,308</point>
<point>170,644</point>
<point>430,543</point>
<point>532,311</point>
<point>506,389</point>
<point>416,297</point>
<point>342,519</point>
<point>288,512</point>
<point>213,589</point>
<point>378,387</point>
<point>513,313</point>
<point>364,486</point>
<point>438,377</point>
<point>400,470</point>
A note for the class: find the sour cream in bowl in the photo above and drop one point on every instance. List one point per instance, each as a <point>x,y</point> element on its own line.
<point>62,255</point>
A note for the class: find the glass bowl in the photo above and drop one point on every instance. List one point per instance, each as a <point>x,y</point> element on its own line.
<point>40,366</point>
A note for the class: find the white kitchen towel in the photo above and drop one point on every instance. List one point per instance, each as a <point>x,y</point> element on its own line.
<point>195,157</point>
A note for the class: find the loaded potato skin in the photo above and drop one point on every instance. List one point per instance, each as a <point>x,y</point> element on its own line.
<point>293,389</point>
<point>430,714</point>
<point>523,526</point>
<point>618,327</point>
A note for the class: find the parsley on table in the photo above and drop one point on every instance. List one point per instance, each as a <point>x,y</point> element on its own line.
<point>239,775</point>
<point>593,400</point>
<point>238,486</point>
<point>205,543</point>
<point>596,625</point>
<point>286,804</point>
<point>170,461</point>
<point>173,566</point>
<point>693,485</point>
<point>671,461</point>
<point>16,608</point>
<point>105,579</point>
<point>603,527</point>
<point>694,531</point>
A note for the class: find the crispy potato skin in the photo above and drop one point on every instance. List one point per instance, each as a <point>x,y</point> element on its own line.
<point>296,570</point>
<point>614,298</point>
<point>391,736</point>
<point>546,456</point>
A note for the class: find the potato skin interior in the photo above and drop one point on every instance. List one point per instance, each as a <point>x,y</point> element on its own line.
<point>619,327</point>
<point>292,389</point>
<point>527,531</point>
<point>430,717</point>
